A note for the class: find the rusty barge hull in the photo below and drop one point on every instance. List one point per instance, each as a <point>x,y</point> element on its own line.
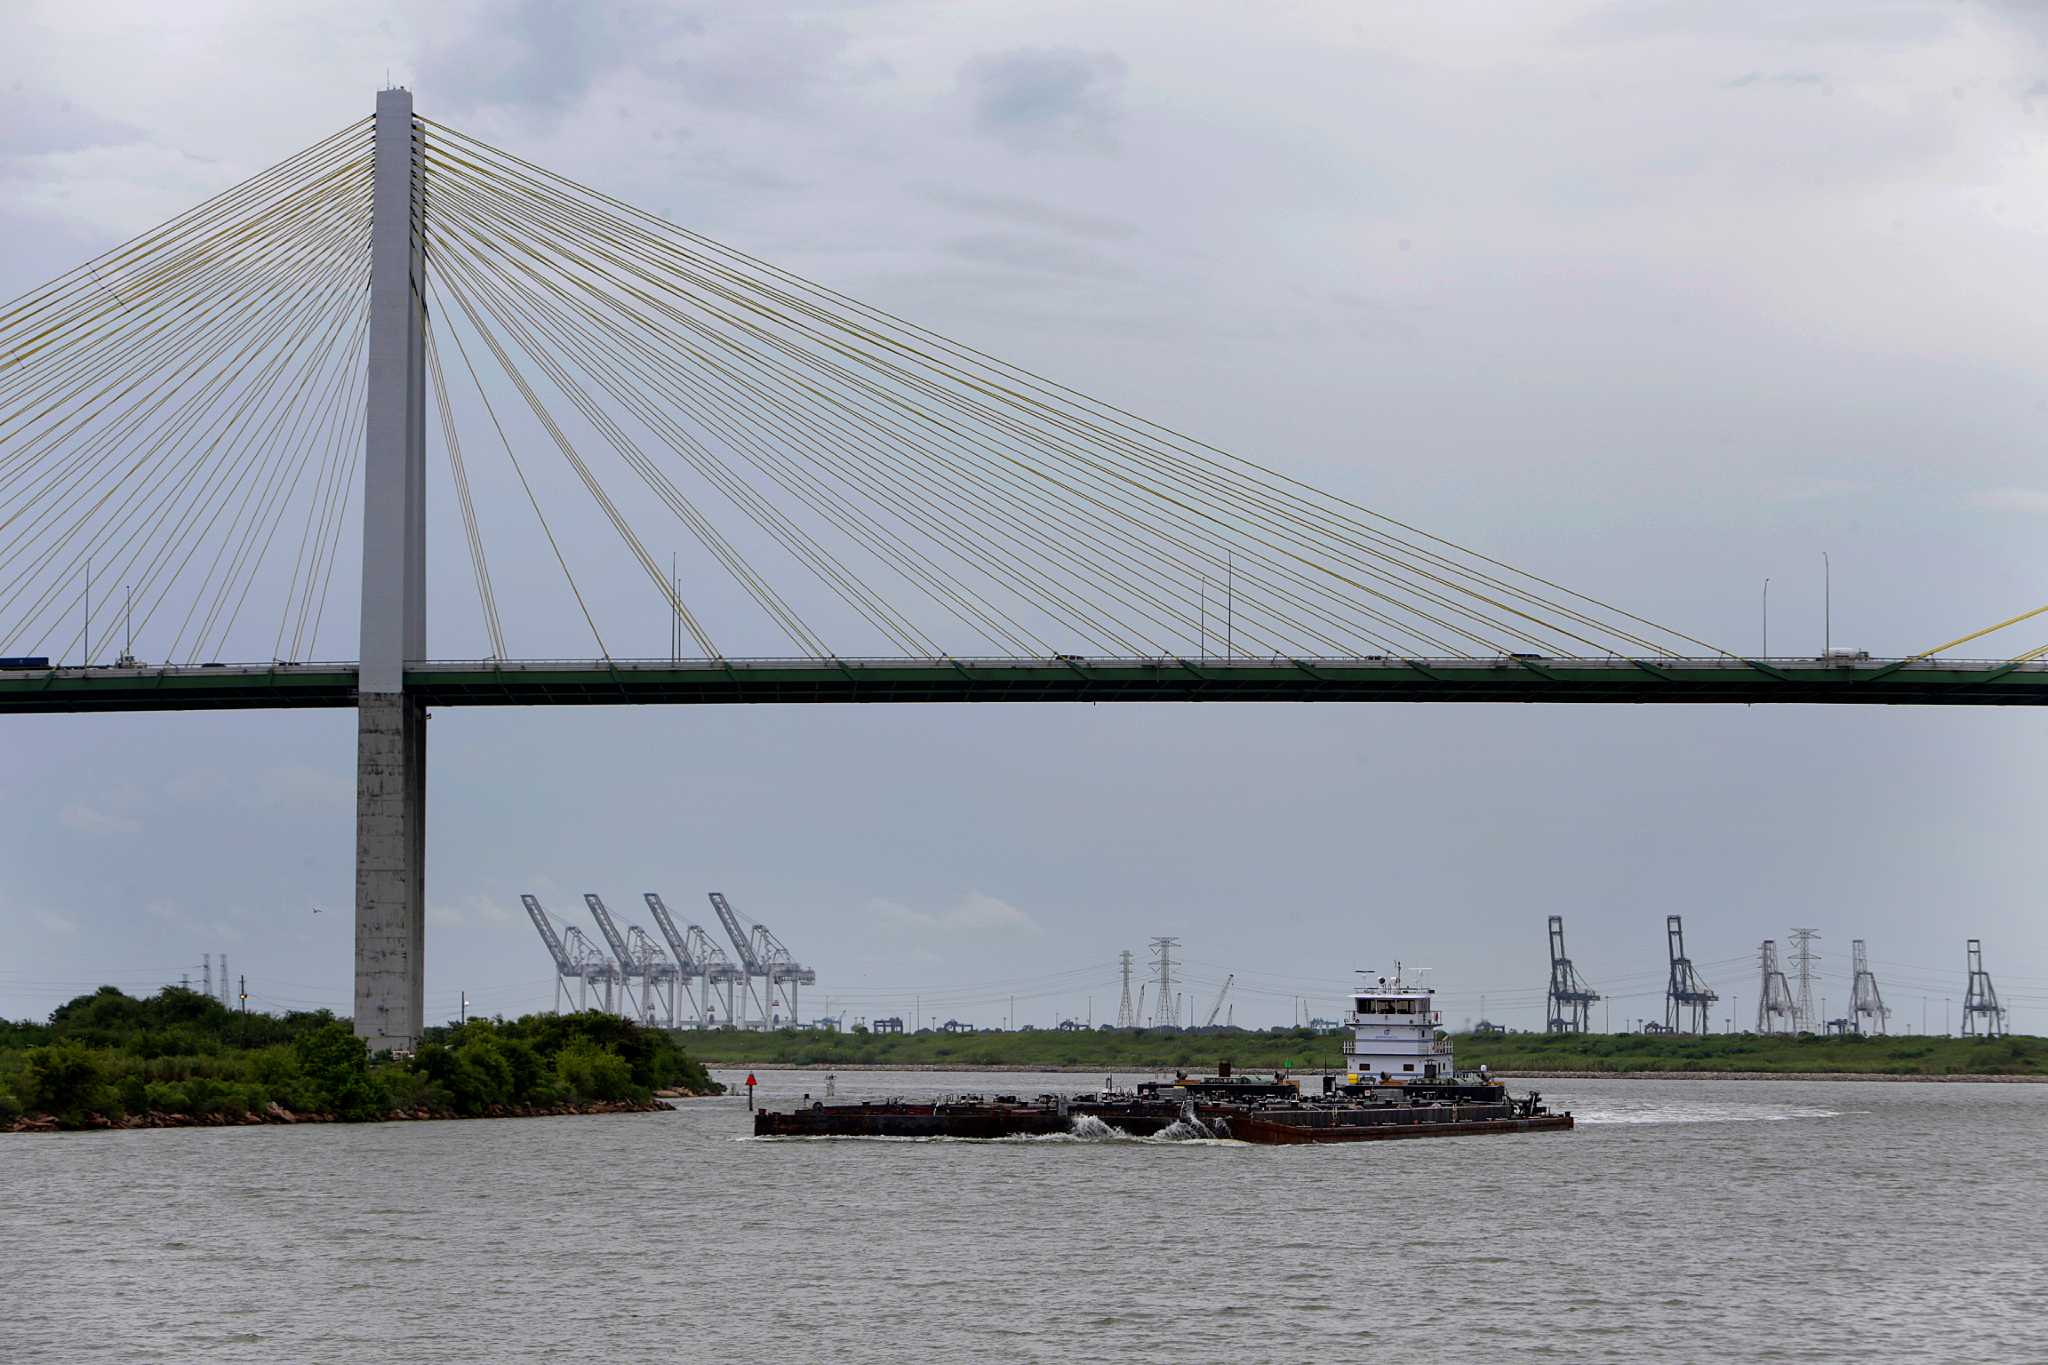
<point>1272,1132</point>
<point>1265,1125</point>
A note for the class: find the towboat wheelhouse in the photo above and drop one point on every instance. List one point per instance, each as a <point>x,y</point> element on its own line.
<point>1393,1035</point>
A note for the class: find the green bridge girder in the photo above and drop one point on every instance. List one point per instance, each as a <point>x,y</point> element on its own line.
<point>1719,682</point>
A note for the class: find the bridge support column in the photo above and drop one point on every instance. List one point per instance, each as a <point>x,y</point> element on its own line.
<point>391,732</point>
<point>391,870</point>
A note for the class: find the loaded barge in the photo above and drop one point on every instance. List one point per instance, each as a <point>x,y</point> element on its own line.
<point>1399,1081</point>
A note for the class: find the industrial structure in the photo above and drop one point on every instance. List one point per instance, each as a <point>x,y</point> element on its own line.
<point>1775,1010</point>
<point>1983,1016</point>
<point>1803,958</point>
<point>574,956</point>
<point>1570,996</point>
<point>1216,1005</point>
<point>640,959</point>
<point>689,984</point>
<point>700,960</point>
<point>764,958</point>
<point>1126,1012</point>
<point>1866,1002</point>
<point>1165,1004</point>
<point>1686,996</point>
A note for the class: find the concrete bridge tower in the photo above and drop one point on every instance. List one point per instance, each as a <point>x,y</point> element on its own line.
<point>391,734</point>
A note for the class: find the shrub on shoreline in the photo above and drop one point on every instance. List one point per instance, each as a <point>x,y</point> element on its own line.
<point>112,1056</point>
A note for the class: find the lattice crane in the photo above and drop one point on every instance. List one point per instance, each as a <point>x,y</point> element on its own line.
<point>638,956</point>
<point>575,956</point>
<point>763,955</point>
<point>697,958</point>
<point>1216,1005</point>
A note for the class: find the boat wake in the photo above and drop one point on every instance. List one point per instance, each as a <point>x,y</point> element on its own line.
<point>1703,1113</point>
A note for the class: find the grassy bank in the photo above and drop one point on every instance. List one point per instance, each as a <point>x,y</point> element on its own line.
<point>1132,1049</point>
<point>181,1057</point>
<point>1896,1056</point>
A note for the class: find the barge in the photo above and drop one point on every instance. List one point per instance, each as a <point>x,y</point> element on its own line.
<point>1399,1080</point>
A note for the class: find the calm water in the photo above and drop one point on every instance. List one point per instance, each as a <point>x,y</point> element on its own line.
<point>1681,1221</point>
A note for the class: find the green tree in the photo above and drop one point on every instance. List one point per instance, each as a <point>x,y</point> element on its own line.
<point>589,1072</point>
<point>66,1080</point>
<point>337,1069</point>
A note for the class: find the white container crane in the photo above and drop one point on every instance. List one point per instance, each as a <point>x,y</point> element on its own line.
<point>575,956</point>
<point>763,955</point>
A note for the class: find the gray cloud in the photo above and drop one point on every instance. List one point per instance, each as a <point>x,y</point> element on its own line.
<point>1650,336</point>
<point>1020,211</point>
<point>1046,98</point>
<point>41,123</point>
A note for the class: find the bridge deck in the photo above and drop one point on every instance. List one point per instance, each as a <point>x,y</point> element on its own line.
<point>782,681</point>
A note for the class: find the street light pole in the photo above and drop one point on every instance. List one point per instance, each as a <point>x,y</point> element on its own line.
<point>1827,604</point>
<point>1767,618</point>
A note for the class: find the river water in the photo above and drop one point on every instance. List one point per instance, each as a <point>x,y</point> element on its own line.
<point>1711,1220</point>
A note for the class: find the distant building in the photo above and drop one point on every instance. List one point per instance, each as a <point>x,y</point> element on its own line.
<point>950,1026</point>
<point>893,1024</point>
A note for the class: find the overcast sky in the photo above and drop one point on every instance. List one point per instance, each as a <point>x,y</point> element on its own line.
<point>1657,299</point>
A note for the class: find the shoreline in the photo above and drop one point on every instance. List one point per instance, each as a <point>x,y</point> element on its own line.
<point>276,1115</point>
<point>1958,1078</point>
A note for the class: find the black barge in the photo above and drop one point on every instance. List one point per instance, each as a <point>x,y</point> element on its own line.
<point>1265,1113</point>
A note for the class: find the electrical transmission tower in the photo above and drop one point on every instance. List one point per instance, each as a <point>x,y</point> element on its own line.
<point>1803,958</point>
<point>1775,1012</point>
<point>1684,991</point>
<point>1980,1001</point>
<point>1569,994</point>
<point>1865,1002</point>
<point>1126,1013</point>
<point>1166,1006</point>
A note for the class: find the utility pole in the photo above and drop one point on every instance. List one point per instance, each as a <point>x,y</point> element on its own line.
<point>1126,1013</point>
<point>223,978</point>
<point>242,986</point>
<point>206,973</point>
<point>1767,618</point>
<point>464,1011</point>
<point>1827,604</point>
<point>1230,607</point>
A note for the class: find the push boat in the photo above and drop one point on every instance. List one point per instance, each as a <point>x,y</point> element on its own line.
<point>1399,1080</point>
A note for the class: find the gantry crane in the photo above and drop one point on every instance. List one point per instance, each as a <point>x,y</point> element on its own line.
<point>763,955</point>
<point>639,956</point>
<point>575,956</point>
<point>1570,996</point>
<point>1684,991</point>
<point>697,958</point>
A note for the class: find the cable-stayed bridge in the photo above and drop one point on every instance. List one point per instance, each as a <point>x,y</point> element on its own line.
<point>639,427</point>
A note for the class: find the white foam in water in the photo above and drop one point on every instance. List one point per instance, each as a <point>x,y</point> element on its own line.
<point>1704,1113</point>
<point>1089,1128</point>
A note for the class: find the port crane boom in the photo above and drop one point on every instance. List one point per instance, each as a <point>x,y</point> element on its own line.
<point>575,956</point>
<point>637,956</point>
<point>1216,1006</point>
<point>763,955</point>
